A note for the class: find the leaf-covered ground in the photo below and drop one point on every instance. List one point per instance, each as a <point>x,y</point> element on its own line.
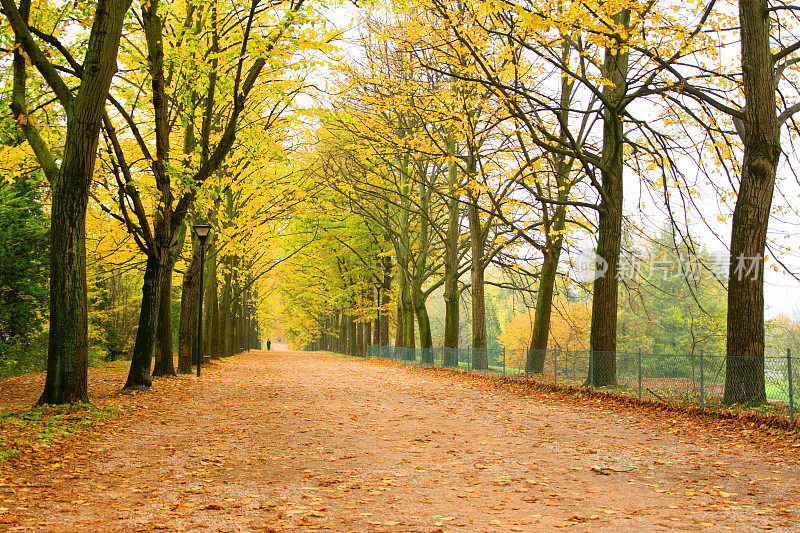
<point>275,441</point>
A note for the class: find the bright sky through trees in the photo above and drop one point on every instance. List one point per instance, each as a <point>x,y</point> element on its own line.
<point>710,217</point>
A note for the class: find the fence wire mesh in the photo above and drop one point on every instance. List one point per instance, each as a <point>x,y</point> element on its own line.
<point>696,379</point>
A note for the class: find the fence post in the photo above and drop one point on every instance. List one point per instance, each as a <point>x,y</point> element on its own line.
<point>702,383</point>
<point>504,361</point>
<point>640,374</point>
<point>591,368</point>
<point>555,365</point>
<point>791,389</point>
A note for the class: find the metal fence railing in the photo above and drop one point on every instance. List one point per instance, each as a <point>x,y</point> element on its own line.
<point>697,379</point>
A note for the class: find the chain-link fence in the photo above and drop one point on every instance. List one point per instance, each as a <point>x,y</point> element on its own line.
<point>698,379</point>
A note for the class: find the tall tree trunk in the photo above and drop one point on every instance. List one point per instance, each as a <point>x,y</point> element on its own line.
<point>399,338</point>
<point>603,336</point>
<point>477,273</point>
<point>233,331</point>
<point>544,305</point>
<point>424,324</point>
<point>452,294</point>
<point>241,323</point>
<point>164,364</point>
<point>359,339</point>
<point>342,344</point>
<point>67,354</point>
<point>408,326</point>
<point>164,360</point>
<point>164,232</point>
<point>351,336</point>
<point>188,321</point>
<point>452,323</point>
<point>212,329</point>
<point>744,374</point>
<point>425,340</point>
<point>385,294</point>
<point>222,319</point>
<point>479,355</point>
<point>407,317</point>
<point>231,312</point>
<point>553,230</point>
<point>333,331</point>
<point>367,336</point>
<point>402,338</point>
<point>139,373</point>
<point>226,315</point>
<point>336,334</point>
<point>256,334</point>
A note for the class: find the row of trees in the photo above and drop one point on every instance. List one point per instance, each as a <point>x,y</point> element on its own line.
<point>175,112</point>
<point>471,134</point>
<point>462,137</point>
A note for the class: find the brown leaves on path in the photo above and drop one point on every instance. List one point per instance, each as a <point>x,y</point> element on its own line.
<point>278,441</point>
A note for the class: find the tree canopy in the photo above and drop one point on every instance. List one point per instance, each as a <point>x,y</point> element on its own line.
<point>438,176</point>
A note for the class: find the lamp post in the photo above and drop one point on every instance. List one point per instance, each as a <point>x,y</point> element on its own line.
<point>202,231</point>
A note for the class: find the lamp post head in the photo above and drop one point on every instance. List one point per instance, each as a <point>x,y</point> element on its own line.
<point>202,231</point>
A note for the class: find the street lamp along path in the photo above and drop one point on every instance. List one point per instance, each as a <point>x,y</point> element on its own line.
<point>202,231</point>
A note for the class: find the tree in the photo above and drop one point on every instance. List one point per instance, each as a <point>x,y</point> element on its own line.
<point>218,107</point>
<point>67,357</point>
<point>601,37</point>
<point>744,373</point>
<point>758,127</point>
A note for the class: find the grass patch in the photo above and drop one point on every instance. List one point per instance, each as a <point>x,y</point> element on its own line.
<point>345,355</point>
<point>39,427</point>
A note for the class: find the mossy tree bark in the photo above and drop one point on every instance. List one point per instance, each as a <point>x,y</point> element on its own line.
<point>67,356</point>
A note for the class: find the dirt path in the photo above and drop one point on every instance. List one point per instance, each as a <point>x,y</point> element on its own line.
<point>285,440</point>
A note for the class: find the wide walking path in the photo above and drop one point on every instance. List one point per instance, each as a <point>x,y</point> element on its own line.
<point>274,441</point>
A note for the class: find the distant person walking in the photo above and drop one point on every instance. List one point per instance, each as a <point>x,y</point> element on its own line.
<point>269,344</point>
